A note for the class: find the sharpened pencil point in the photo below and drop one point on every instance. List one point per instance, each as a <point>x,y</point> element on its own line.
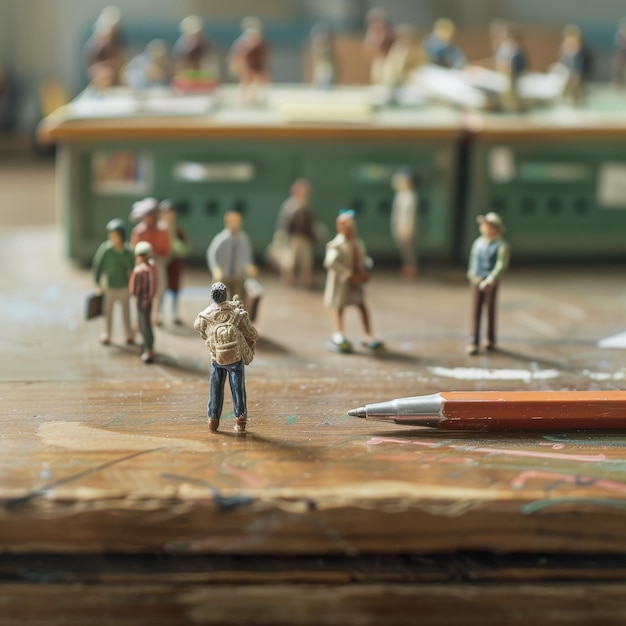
<point>360,412</point>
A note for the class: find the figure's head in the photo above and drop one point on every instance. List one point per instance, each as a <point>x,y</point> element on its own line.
<point>147,211</point>
<point>406,34</point>
<point>218,292</point>
<point>233,221</point>
<point>301,189</point>
<point>191,25</point>
<point>157,50</point>
<point>252,27</point>
<point>346,223</point>
<point>168,211</point>
<point>490,225</point>
<point>117,232</point>
<point>572,34</point>
<point>402,179</point>
<point>444,29</point>
<point>143,251</point>
<point>377,17</point>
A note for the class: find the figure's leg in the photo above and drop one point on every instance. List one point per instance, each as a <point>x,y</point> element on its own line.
<point>145,324</point>
<point>237,381</point>
<point>338,339</point>
<point>477,305</point>
<point>491,297</point>
<point>125,302</point>
<point>108,301</point>
<point>216,396</point>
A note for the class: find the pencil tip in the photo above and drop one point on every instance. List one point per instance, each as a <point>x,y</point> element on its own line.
<point>360,412</point>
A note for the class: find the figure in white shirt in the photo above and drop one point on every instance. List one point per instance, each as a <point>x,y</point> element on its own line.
<point>404,219</point>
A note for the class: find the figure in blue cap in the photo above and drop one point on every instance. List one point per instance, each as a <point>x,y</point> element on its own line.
<point>348,269</point>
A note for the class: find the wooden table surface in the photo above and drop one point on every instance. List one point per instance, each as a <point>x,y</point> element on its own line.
<point>110,482</point>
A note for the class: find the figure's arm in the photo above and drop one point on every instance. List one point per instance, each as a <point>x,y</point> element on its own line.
<point>247,257</point>
<point>334,262</point>
<point>131,283</point>
<point>200,326</point>
<point>211,259</point>
<point>502,262</point>
<point>249,332</point>
<point>98,261</point>
<point>470,264</point>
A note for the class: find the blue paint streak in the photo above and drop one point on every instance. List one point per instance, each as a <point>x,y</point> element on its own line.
<point>540,505</point>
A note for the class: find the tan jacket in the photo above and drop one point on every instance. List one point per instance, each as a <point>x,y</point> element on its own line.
<point>338,262</point>
<point>214,315</point>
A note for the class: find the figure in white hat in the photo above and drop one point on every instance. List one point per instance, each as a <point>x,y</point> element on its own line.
<point>489,257</point>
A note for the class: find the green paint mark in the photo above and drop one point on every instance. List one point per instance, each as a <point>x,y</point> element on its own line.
<point>539,505</point>
<point>117,420</point>
<point>291,419</point>
<point>345,417</point>
<point>229,415</point>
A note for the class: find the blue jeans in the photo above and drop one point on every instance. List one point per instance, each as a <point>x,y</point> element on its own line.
<point>237,381</point>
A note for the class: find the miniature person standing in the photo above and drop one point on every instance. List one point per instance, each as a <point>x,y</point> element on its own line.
<point>379,37</point>
<point>231,337</point>
<point>150,229</point>
<point>229,255</point>
<point>404,220</point>
<point>618,64</point>
<point>112,264</point>
<point>296,220</point>
<point>348,270</point>
<point>510,60</point>
<point>323,61</point>
<point>489,257</point>
<point>576,61</point>
<point>179,250</point>
<point>151,68</point>
<point>195,55</point>
<point>439,47</point>
<point>248,61</point>
<point>142,285</point>
<point>403,57</point>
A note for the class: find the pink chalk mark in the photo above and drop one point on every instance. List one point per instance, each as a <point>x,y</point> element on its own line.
<point>611,485</point>
<point>243,476</point>
<point>587,458</point>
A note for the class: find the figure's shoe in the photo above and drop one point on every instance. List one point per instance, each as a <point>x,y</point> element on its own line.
<point>340,344</point>
<point>105,341</point>
<point>130,341</point>
<point>147,358</point>
<point>491,346</point>
<point>472,349</point>
<point>178,321</point>
<point>240,423</point>
<point>375,345</point>
<point>214,423</point>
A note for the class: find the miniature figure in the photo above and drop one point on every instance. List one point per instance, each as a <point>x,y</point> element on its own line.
<point>439,47</point>
<point>142,285</point>
<point>155,233</point>
<point>348,270</point>
<point>296,220</point>
<point>489,257</point>
<point>195,56</point>
<point>404,219</point>
<point>618,69</point>
<point>324,66</point>
<point>229,257</point>
<point>230,337</point>
<point>151,68</point>
<point>510,60</point>
<point>179,250</point>
<point>576,61</point>
<point>379,37</point>
<point>104,51</point>
<point>114,261</point>
<point>403,57</point>
<point>248,59</point>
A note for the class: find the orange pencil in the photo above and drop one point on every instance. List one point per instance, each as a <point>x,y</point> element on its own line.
<point>504,410</point>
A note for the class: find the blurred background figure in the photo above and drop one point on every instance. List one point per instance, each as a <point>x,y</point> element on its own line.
<point>618,69</point>
<point>403,57</point>
<point>151,230</point>
<point>248,62</point>
<point>179,250</point>
<point>105,50</point>
<point>510,60</point>
<point>151,68</point>
<point>439,47</point>
<point>296,221</point>
<point>404,219</point>
<point>323,63</point>
<point>379,37</point>
<point>195,57</point>
<point>575,60</point>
